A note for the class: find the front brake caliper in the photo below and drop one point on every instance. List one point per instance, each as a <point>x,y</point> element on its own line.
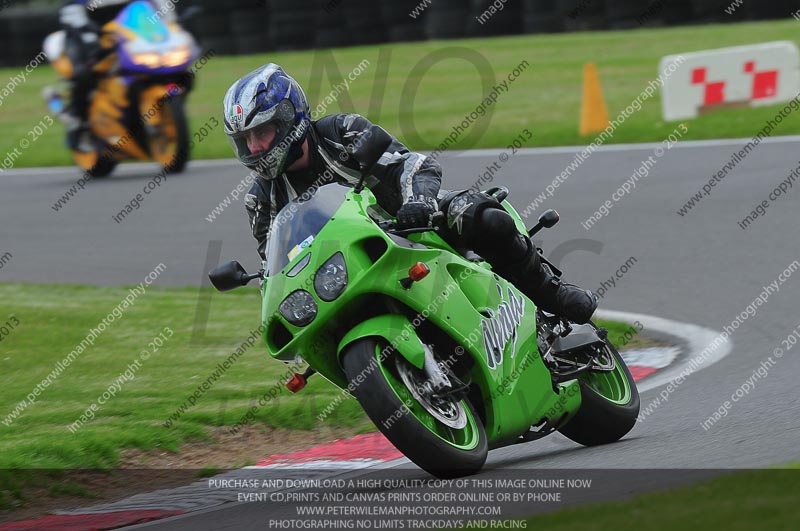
<point>435,375</point>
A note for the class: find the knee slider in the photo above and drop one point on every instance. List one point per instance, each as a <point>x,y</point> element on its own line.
<point>464,211</point>
<point>497,223</point>
<point>498,239</point>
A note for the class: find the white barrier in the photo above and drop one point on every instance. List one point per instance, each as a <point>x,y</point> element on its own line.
<point>761,74</point>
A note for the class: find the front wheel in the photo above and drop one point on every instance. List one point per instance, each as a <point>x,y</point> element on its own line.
<point>93,164</point>
<point>443,436</point>
<point>102,168</point>
<point>609,403</point>
<point>170,145</point>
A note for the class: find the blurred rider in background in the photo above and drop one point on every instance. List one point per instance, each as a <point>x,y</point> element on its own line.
<point>82,21</point>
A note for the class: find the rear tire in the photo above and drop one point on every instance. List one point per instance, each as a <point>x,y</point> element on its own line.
<point>408,433</point>
<point>608,410</point>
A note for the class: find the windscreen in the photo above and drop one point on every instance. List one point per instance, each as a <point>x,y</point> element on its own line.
<point>142,19</point>
<point>299,222</point>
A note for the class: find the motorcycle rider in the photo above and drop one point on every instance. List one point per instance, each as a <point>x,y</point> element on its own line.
<point>267,119</point>
<point>82,21</point>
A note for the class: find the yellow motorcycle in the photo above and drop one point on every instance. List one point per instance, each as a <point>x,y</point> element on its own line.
<point>137,111</point>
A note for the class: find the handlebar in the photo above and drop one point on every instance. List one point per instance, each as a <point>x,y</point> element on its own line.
<point>390,226</point>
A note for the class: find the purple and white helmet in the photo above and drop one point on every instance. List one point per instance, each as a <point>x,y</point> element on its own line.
<point>267,104</point>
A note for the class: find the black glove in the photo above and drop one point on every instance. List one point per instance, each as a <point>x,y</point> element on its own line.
<point>416,213</point>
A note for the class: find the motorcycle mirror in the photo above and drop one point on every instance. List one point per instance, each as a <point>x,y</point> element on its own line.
<point>549,218</point>
<point>230,275</point>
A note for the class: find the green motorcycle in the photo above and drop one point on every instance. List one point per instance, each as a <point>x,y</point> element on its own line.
<point>447,358</point>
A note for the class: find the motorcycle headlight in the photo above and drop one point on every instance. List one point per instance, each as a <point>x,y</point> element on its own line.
<point>148,59</point>
<point>177,56</point>
<point>331,278</point>
<point>299,308</point>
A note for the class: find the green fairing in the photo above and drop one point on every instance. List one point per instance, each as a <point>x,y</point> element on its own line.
<point>457,296</point>
<point>396,330</point>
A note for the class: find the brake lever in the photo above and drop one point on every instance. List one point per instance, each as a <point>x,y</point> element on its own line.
<point>389,226</point>
<point>436,218</point>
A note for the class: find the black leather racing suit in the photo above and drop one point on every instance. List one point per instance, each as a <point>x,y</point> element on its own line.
<point>342,147</point>
<point>345,146</point>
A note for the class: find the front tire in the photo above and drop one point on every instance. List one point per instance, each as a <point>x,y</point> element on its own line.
<point>93,164</point>
<point>178,109</point>
<point>438,449</point>
<point>103,168</point>
<point>609,405</point>
<point>171,147</point>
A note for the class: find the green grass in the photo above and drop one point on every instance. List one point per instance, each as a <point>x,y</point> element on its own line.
<point>545,99</point>
<point>765,499</point>
<point>53,321</point>
<point>617,333</point>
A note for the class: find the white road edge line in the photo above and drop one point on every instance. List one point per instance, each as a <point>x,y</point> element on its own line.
<point>697,338</point>
<point>611,148</point>
<point>559,150</point>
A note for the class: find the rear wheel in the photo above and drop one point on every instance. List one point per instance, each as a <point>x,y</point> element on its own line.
<point>609,403</point>
<point>443,436</point>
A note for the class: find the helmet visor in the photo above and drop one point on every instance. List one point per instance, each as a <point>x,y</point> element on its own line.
<point>264,146</point>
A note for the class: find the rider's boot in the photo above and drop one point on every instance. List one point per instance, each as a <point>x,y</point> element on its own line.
<point>79,136</point>
<point>478,221</point>
<point>549,293</point>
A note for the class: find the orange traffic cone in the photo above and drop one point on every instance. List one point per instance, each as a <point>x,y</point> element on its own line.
<point>594,111</point>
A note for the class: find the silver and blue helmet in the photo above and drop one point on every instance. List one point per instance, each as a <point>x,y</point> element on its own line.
<point>267,102</point>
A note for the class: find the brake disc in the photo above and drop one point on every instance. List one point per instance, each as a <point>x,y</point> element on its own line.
<point>446,410</point>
